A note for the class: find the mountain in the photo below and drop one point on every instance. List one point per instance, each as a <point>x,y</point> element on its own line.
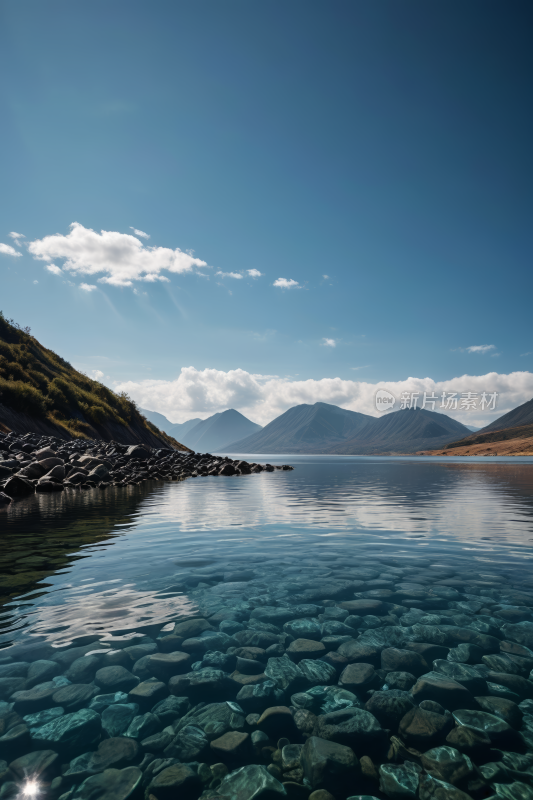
<point>215,433</point>
<point>175,429</point>
<point>521,415</point>
<point>405,431</point>
<point>324,428</point>
<point>470,428</point>
<point>510,435</point>
<point>516,441</point>
<point>303,429</point>
<point>42,393</point>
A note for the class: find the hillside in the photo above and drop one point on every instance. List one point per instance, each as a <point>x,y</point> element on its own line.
<point>215,433</point>
<point>405,431</point>
<point>510,435</point>
<point>175,429</point>
<point>40,392</point>
<point>507,442</point>
<point>521,415</point>
<point>303,429</point>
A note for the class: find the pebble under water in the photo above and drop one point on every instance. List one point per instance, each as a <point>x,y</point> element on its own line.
<point>356,628</point>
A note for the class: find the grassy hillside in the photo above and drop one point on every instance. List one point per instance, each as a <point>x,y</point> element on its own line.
<point>38,383</point>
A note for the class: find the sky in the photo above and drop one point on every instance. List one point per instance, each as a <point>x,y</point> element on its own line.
<point>251,205</point>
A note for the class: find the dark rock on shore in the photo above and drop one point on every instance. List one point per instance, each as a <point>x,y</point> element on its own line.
<point>33,463</point>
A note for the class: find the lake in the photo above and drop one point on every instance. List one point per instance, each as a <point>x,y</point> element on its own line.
<point>84,563</point>
<point>360,625</point>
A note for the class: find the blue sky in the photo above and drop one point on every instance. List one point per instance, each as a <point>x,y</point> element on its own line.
<point>384,145</point>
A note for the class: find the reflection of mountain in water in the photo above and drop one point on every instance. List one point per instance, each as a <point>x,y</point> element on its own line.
<point>466,501</point>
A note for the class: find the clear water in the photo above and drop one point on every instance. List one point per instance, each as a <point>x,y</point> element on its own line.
<point>85,563</point>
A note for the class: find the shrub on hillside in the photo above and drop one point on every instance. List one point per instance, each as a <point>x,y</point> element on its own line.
<point>22,397</point>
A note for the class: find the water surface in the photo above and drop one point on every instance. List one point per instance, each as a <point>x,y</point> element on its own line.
<point>91,562</point>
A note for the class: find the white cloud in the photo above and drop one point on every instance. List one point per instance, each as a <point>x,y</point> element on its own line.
<point>326,277</point>
<point>480,348</point>
<point>119,257</point>
<point>286,283</point>
<point>16,236</point>
<point>329,342</point>
<point>88,287</point>
<point>97,374</point>
<point>7,250</point>
<point>140,233</point>
<point>53,269</point>
<point>254,273</point>
<point>236,275</point>
<point>526,354</point>
<point>261,398</point>
<point>36,281</point>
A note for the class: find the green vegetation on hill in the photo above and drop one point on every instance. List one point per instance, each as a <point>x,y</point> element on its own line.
<point>38,382</point>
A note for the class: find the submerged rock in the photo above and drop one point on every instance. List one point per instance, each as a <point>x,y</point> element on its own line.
<point>253,782</point>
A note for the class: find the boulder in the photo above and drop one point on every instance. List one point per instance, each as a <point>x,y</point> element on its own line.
<point>353,727</point>
<point>178,780</point>
<point>498,731</point>
<point>399,781</point>
<point>443,690</point>
<point>359,678</point>
<point>390,707</point>
<point>448,764</point>
<point>305,648</point>
<point>111,784</point>
<point>40,764</point>
<point>18,486</point>
<point>357,653</point>
<point>394,659</point>
<point>231,746</point>
<point>423,730</point>
<point>116,718</point>
<point>328,765</point>
<point>115,679</point>
<point>165,665</point>
<point>253,782</point>
<point>138,451</point>
<point>70,732</point>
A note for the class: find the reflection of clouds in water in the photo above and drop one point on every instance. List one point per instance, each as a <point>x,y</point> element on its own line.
<point>464,504</point>
<point>83,611</point>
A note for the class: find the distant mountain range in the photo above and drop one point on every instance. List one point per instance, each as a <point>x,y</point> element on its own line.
<point>175,429</point>
<point>209,435</point>
<point>324,428</point>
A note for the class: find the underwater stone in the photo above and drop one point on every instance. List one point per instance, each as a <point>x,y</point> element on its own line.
<point>112,784</point>
<point>399,781</point>
<point>253,782</point>
<point>116,718</point>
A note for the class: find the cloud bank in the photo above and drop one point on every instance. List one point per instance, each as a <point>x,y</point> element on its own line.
<point>200,393</point>
<point>119,258</point>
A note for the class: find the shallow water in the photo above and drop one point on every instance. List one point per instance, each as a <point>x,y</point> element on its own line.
<point>93,562</point>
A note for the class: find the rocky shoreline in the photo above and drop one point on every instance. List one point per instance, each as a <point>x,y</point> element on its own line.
<point>33,463</point>
<point>354,678</point>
